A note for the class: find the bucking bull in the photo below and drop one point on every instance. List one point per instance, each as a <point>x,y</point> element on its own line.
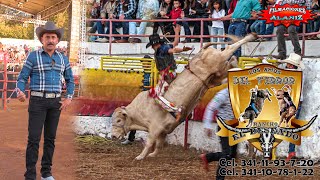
<point>206,69</point>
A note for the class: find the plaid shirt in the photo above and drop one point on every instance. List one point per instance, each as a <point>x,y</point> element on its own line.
<point>131,8</point>
<point>221,104</point>
<point>46,73</point>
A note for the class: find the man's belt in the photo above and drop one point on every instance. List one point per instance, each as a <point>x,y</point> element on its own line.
<point>45,95</point>
<point>238,20</point>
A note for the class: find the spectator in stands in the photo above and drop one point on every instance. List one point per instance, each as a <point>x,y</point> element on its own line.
<point>188,12</point>
<point>242,13</point>
<point>106,12</point>
<point>164,11</point>
<point>175,13</point>
<point>221,106</point>
<point>133,25</point>
<point>270,27</point>
<point>316,9</point>
<point>95,11</point>
<point>259,26</point>
<point>94,14</point>
<point>147,10</point>
<point>217,9</point>
<point>202,11</point>
<point>124,10</point>
<point>281,29</point>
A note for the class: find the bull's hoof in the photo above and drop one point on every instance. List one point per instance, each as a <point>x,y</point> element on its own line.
<point>152,155</point>
<point>139,158</point>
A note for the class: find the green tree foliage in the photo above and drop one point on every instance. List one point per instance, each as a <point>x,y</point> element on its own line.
<point>62,21</point>
<point>15,29</point>
<point>20,30</point>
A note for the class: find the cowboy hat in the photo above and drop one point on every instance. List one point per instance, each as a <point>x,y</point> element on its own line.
<point>49,27</point>
<point>294,59</point>
<point>154,39</point>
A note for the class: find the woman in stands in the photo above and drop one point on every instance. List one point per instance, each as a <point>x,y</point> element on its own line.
<point>164,11</point>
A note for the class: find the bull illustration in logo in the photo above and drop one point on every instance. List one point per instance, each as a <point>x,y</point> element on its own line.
<point>267,134</point>
<point>286,106</point>
<point>258,96</point>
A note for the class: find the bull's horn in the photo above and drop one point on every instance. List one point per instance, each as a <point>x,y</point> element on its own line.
<point>295,130</point>
<point>230,128</point>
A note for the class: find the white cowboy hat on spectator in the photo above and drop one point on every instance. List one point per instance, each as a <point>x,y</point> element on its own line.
<point>49,27</point>
<point>294,59</point>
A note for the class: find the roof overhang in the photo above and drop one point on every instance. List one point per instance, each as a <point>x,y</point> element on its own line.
<point>45,8</point>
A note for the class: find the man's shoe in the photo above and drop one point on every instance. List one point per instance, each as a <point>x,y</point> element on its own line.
<point>103,40</point>
<point>186,41</point>
<point>279,57</point>
<point>126,142</point>
<point>290,156</point>
<point>136,40</point>
<point>121,41</point>
<point>204,162</point>
<point>47,178</point>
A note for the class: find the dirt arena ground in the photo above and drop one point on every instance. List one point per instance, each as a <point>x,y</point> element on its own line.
<point>100,159</point>
<point>13,141</point>
<point>105,159</point>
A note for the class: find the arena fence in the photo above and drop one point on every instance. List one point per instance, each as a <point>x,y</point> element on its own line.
<point>201,35</point>
<point>8,80</point>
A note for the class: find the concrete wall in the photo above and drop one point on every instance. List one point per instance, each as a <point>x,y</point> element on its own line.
<point>264,48</point>
<point>311,106</point>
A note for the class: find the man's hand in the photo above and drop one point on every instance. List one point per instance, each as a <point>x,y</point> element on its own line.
<point>111,16</point>
<point>66,102</point>
<point>162,13</point>
<point>208,132</point>
<point>121,17</point>
<point>21,96</point>
<point>185,48</point>
<point>254,14</point>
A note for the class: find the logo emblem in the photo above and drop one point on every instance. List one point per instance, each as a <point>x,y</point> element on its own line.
<point>265,100</point>
<point>286,15</point>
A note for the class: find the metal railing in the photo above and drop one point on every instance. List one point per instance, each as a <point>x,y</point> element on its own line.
<point>201,36</point>
<point>5,81</point>
<point>128,64</point>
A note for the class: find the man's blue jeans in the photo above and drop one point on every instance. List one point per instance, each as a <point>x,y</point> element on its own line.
<point>238,29</point>
<point>124,25</point>
<point>217,31</point>
<point>259,26</point>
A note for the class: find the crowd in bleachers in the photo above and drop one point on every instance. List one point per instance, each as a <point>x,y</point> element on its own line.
<point>181,9</point>
<point>16,54</point>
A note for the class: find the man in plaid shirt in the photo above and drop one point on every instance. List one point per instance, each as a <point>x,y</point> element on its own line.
<point>125,9</point>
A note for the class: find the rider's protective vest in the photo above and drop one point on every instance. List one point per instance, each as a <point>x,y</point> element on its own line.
<point>164,59</point>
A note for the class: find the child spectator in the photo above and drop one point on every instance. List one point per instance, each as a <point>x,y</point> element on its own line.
<point>217,25</point>
<point>175,13</point>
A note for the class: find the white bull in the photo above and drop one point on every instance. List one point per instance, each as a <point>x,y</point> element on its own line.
<point>206,69</point>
